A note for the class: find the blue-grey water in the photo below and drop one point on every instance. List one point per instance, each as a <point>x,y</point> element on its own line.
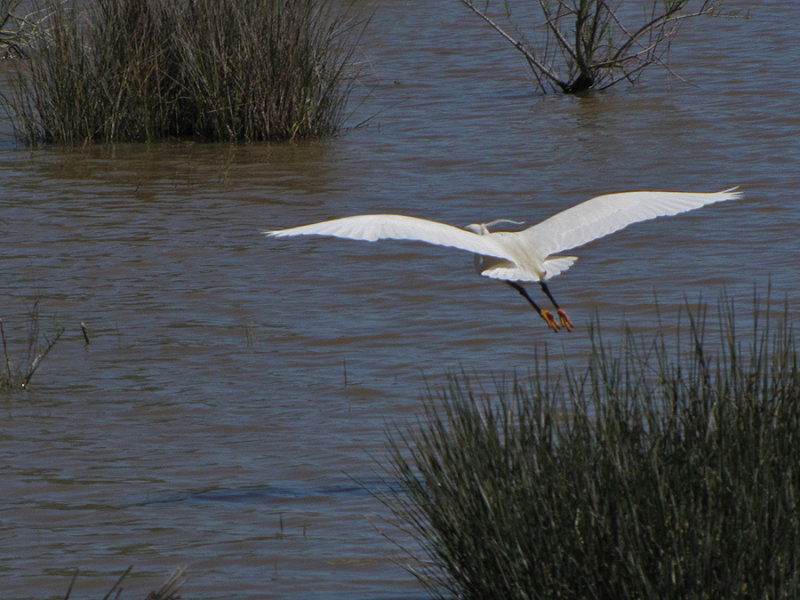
<point>235,386</point>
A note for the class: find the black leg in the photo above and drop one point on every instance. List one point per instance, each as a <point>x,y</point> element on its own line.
<point>546,290</point>
<point>545,314</point>
<point>524,293</point>
<point>562,315</point>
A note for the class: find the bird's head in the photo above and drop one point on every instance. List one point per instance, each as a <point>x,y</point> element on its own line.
<point>483,228</point>
<point>479,228</point>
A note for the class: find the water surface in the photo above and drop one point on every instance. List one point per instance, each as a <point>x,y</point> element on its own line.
<point>235,386</point>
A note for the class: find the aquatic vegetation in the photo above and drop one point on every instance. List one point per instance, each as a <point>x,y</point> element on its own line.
<point>39,345</point>
<point>168,590</point>
<point>10,42</point>
<point>670,468</point>
<point>591,43</point>
<point>18,29</point>
<point>142,70</point>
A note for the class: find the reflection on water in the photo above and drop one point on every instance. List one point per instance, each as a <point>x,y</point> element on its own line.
<point>235,386</point>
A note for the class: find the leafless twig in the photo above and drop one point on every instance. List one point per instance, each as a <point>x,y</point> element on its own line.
<point>588,45</point>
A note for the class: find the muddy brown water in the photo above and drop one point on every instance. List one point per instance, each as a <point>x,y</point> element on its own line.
<point>234,386</point>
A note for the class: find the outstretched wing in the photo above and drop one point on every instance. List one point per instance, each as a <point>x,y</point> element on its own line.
<point>609,213</point>
<point>371,228</point>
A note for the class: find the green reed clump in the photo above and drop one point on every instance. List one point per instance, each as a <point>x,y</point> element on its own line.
<point>141,70</point>
<point>653,474</point>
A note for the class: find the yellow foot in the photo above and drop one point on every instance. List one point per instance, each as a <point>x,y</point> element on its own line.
<point>548,317</point>
<point>562,315</point>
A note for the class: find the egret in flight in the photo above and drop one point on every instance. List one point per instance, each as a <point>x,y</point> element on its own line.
<point>530,255</point>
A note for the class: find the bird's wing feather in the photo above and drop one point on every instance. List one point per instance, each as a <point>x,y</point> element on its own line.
<point>557,264</point>
<point>398,227</point>
<point>510,271</point>
<point>606,214</point>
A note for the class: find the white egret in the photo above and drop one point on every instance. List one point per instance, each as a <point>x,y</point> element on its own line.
<point>522,256</point>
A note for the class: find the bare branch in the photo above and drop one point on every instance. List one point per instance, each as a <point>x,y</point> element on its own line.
<point>535,65</point>
<point>659,21</point>
<point>34,364</point>
<point>603,48</point>
<point>560,38</point>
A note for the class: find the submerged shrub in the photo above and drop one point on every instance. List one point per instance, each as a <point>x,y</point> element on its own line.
<point>592,44</point>
<point>140,70</point>
<point>39,345</point>
<point>650,475</point>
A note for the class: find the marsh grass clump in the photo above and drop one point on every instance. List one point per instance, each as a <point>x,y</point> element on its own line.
<point>11,30</point>
<point>656,473</point>
<point>141,70</point>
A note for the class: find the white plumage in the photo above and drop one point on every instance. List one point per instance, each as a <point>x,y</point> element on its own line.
<point>527,255</point>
